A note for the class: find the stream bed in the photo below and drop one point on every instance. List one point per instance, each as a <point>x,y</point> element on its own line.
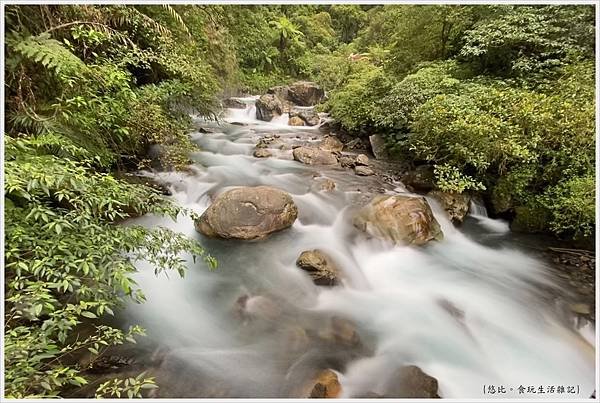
<point>472,311</point>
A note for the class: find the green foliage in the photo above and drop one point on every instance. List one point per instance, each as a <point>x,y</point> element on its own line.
<point>347,20</point>
<point>130,387</point>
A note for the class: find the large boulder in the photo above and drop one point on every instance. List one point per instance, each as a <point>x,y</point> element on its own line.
<point>456,205</point>
<point>309,116</point>
<point>412,383</point>
<point>331,143</point>
<point>280,91</point>
<point>314,156</point>
<point>305,93</point>
<point>248,213</point>
<point>234,103</point>
<point>379,148</point>
<point>400,219</point>
<point>422,178</point>
<point>268,106</point>
<point>321,267</point>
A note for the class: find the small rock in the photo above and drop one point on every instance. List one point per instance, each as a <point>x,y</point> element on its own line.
<point>362,170</point>
<point>582,309</point>
<point>411,382</point>
<point>331,143</point>
<point>234,103</point>
<point>295,121</point>
<point>327,184</point>
<point>262,153</point>
<point>314,156</point>
<point>326,385</point>
<point>456,205</point>
<point>361,159</point>
<point>321,267</point>
<point>346,161</point>
<point>205,131</point>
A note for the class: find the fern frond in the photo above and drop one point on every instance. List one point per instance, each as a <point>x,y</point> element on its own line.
<point>175,15</point>
<point>50,53</point>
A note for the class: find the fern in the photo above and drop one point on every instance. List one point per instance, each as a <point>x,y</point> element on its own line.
<point>50,53</point>
<point>175,15</point>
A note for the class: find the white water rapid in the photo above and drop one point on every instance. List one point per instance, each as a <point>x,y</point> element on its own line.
<point>467,312</point>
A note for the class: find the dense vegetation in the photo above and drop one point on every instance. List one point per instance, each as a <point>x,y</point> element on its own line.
<point>500,99</point>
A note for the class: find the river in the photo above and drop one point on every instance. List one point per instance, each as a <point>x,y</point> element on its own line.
<point>469,310</point>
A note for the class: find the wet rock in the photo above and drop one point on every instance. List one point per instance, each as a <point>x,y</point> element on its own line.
<point>378,147</point>
<point>267,141</point>
<point>321,267</point>
<point>456,205</point>
<point>309,116</point>
<point>583,309</point>
<point>411,382</point>
<point>346,161</point>
<point>262,153</point>
<point>204,130</point>
<point>280,91</point>
<point>239,124</point>
<point>268,106</point>
<point>256,307</point>
<point>326,385</point>
<point>331,143</point>
<point>341,331</point>
<point>314,156</point>
<point>234,103</point>
<point>421,178</point>
<point>248,213</point>
<point>326,184</point>
<point>305,93</point>
<point>401,219</point>
<point>362,170</point>
<point>361,159</point>
<point>295,121</point>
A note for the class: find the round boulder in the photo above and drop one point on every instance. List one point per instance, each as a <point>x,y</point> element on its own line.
<point>400,219</point>
<point>314,156</point>
<point>248,213</point>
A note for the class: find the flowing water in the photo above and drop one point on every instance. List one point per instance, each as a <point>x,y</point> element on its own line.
<point>469,310</point>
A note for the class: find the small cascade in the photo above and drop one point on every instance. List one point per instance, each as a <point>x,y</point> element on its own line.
<point>477,209</point>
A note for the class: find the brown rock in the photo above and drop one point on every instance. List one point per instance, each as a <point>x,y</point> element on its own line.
<point>361,159</point>
<point>262,153</point>
<point>346,161</point>
<point>248,213</point>
<point>331,143</point>
<point>362,170</point>
<point>314,156</point>
<point>326,385</point>
<point>321,267</point>
<point>309,116</point>
<point>411,382</point>
<point>295,121</point>
<point>401,219</point>
<point>327,184</point>
<point>455,204</point>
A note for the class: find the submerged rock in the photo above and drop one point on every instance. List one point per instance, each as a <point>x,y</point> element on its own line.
<point>456,205</point>
<point>401,219</point>
<point>314,156</point>
<point>321,267</point>
<point>305,93</point>
<point>341,331</point>
<point>326,184</point>
<point>248,213</point>
<point>411,382</point>
<point>268,106</point>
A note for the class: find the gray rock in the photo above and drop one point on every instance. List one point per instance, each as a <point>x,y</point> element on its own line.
<point>378,147</point>
<point>234,103</point>
<point>305,93</point>
<point>331,143</point>
<point>362,170</point>
<point>361,159</point>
